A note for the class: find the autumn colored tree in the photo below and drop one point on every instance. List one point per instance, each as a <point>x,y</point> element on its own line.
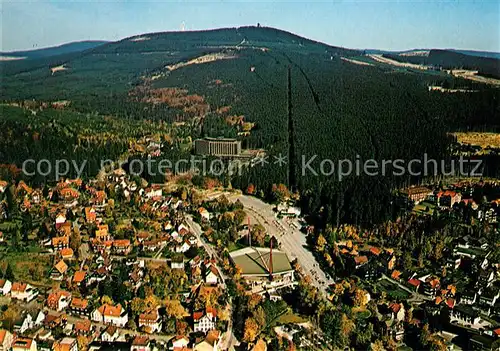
<point>320,243</point>
<point>251,330</point>
<point>253,301</point>
<point>360,298</point>
<point>280,192</point>
<point>75,240</point>
<point>174,309</point>
<point>378,345</point>
<point>250,189</point>
<point>106,300</point>
<point>137,305</point>
<point>258,233</point>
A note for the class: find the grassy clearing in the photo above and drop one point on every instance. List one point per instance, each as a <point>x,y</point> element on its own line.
<point>392,290</point>
<point>289,318</point>
<point>30,267</point>
<point>480,139</point>
<point>424,207</point>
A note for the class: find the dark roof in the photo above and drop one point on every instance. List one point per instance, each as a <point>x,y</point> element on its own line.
<point>111,346</point>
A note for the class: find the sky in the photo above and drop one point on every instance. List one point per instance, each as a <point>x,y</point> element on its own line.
<point>387,25</point>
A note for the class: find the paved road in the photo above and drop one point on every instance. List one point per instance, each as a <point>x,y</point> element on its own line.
<point>292,241</point>
<point>228,339</point>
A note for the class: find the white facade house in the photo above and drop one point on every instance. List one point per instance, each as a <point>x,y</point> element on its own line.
<point>204,321</point>
<point>23,291</point>
<point>180,342</point>
<point>5,286</point>
<point>114,315</point>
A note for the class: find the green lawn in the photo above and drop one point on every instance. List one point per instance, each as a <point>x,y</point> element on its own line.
<point>422,207</point>
<point>392,290</point>
<point>290,317</point>
<point>30,267</point>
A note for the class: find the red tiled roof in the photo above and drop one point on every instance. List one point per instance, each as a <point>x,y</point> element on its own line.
<point>66,252</point>
<point>360,259</point>
<point>395,274</point>
<point>19,287</point>
<point>79,303</point>
<point>140,340</point>
<point>395,307</point>
<point>111,311</point>
<point>450,302</point>
<point>79,276</point>
<point>414,282</point>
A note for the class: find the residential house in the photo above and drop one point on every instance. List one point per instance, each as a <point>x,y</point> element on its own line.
<point>177,262</point>
<point>150,321</point>
<point>204,320</point>
<point>180,342</point>
<point>3,186</point>
<point>212,275</point>
<point>90,215</point>
<point>83,327</point>
<point>464,314</point>
<point>448,198</point>
<point>80,307</point>
<point>489,297</point>
<point>468,297</point>
<point>69,197</point>
<point>482,343</point>
<point>369,271</point>
<point>23,322</point>
<point>431,286</point>
<point>66,253</point>
<point>60,219</point>
<point>141,343</point>
<point>151,245</point>
<point>184,247</point>
<point>211,342</point>
<point>23,291</point>
<point>6,340</point>
<point>102,233</point>
<point>66,344</point>
<point>60,242</point>
<point>58,300</point>
<point>5,286</point>
<point>79,277</point>
<point>360,261</point>
<point>122,247</point>
<point>58,271</point>
<point>110,334</point>
<point>54,320</point>
<point>485,278</point>
<point>24,344</point>
<point>398,311</point>
<point>114,315</point>
<point>414,284</point>
<point>204,214</point>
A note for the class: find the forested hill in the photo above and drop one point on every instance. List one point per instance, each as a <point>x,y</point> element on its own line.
<point>255,84</point>
<point>55,50</point>
<point>447,59</point>
<point>264,37</point>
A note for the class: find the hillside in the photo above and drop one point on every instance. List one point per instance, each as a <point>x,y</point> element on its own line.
<point>255,83</point>
<point>447,59</point>
<point>54,50</point>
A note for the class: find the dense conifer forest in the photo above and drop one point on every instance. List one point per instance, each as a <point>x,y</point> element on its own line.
<point>338,109</point>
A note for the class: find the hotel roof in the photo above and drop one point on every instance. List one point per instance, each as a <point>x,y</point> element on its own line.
<point>256,261</point>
